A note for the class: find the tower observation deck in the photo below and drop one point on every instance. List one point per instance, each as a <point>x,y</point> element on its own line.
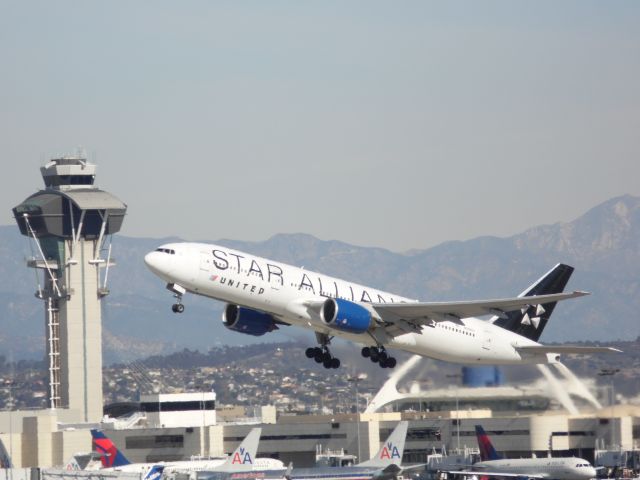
<point>71,222</point>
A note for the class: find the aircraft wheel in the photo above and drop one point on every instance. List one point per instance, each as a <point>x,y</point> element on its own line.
<point>391,362</point>
<point>328,363</point>
<point>177,308</point>
<point>374,354</point>
<point>310,352</point>
<point>382,356</point>
<point>180,308</point>
<point>335,363</point>
<point>366,352</point>
<point>319,356</point>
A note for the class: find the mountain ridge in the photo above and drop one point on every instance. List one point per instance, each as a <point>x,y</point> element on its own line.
<point>603,245</point>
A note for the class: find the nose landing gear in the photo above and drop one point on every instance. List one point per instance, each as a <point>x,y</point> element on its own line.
<point>178,291</point>
<point>177,307</point>
<point>380,356</point>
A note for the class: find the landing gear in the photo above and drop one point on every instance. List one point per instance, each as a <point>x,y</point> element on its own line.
<point>322,354</point>
<point>177,307</point>
<point>178,291</point>
<point>380,356</point>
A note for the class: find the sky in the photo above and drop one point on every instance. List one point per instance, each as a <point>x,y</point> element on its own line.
<point>391,124</point>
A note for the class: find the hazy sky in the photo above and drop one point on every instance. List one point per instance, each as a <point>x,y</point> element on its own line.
<point>392,124</point>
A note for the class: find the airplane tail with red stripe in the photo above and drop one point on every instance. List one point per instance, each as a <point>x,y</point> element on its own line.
<point>110,456</point>
<point>487,451</point>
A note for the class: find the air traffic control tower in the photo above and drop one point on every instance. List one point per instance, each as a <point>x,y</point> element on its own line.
<point>70,223</point>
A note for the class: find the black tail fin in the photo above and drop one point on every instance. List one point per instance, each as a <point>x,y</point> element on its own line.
<point>530,322</point>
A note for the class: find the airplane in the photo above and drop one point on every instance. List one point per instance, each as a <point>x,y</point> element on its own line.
<point>242,459</point>
<point>558,468</point>
<point>262,295</point>
<point>386,464</point>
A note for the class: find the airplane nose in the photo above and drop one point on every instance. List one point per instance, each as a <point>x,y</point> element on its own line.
<point>158,262</point>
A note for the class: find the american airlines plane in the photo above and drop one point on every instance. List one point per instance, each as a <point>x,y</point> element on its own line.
<point>241,460</point>
<point>263,295</point>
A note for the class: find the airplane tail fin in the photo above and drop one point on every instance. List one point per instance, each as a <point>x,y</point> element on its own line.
<point>487,451</point>
<point>391,451</point>
<point>530,322</point>
<point>244,456</point>
<point>110,456</point>
<point>5,459</point>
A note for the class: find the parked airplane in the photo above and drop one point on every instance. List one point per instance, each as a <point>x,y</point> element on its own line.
<point>262,295</point>
<point>385,465</point>
<point>242,459</point>
<point>558,468</point>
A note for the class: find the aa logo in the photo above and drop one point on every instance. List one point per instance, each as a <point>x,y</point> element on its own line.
<point>241,457</point>
<point>390,451</point>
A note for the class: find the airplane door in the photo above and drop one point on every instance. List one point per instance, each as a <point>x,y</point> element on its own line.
<point>486,340</point>
<point>205,262</point>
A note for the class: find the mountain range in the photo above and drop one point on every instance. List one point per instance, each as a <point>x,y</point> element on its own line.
<point>603,245</point>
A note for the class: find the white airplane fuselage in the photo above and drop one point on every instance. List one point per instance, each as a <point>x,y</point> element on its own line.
<point>284,291</point>
<point>565,468</point>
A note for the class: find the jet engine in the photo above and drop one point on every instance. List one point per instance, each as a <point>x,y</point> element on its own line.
<point>346,316</point>
<point>246,320</point>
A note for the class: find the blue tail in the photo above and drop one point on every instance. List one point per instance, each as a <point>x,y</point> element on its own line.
<point>154,473</point>
<point>487,452</point>
<point>110,456</point>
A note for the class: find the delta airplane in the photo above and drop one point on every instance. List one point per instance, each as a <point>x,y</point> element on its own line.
<point>261,295</point>
<point>558,468</point>
<point>384,465</point>
<point>243,459</point>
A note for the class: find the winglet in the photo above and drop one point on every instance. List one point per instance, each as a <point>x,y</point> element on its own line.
<point>154,473</point>
<point>391,451</point>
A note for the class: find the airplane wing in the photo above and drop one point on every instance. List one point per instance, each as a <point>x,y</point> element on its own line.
<point>565,349</point>
<point>401,318</point>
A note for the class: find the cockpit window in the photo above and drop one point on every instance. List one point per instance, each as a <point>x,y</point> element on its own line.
<point>166,250</point>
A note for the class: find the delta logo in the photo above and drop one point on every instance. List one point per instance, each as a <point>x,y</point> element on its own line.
<point>242,457</point>
<point>107,451</point>
<point>389,452</point>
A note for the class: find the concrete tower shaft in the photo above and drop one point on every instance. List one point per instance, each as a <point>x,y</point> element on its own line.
<point>71,222</point>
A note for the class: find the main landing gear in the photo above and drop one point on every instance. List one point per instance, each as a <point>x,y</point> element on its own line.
<point>178,291</point>
<point>379,355</point>
<point>322,354</point>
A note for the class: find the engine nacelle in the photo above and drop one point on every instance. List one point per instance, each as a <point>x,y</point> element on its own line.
<point>246,320</point>
<point>346,316</point>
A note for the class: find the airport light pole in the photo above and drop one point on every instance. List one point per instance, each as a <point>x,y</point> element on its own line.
<point>356,379</point>
<point>457,376</point>
<point>610,372</point>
